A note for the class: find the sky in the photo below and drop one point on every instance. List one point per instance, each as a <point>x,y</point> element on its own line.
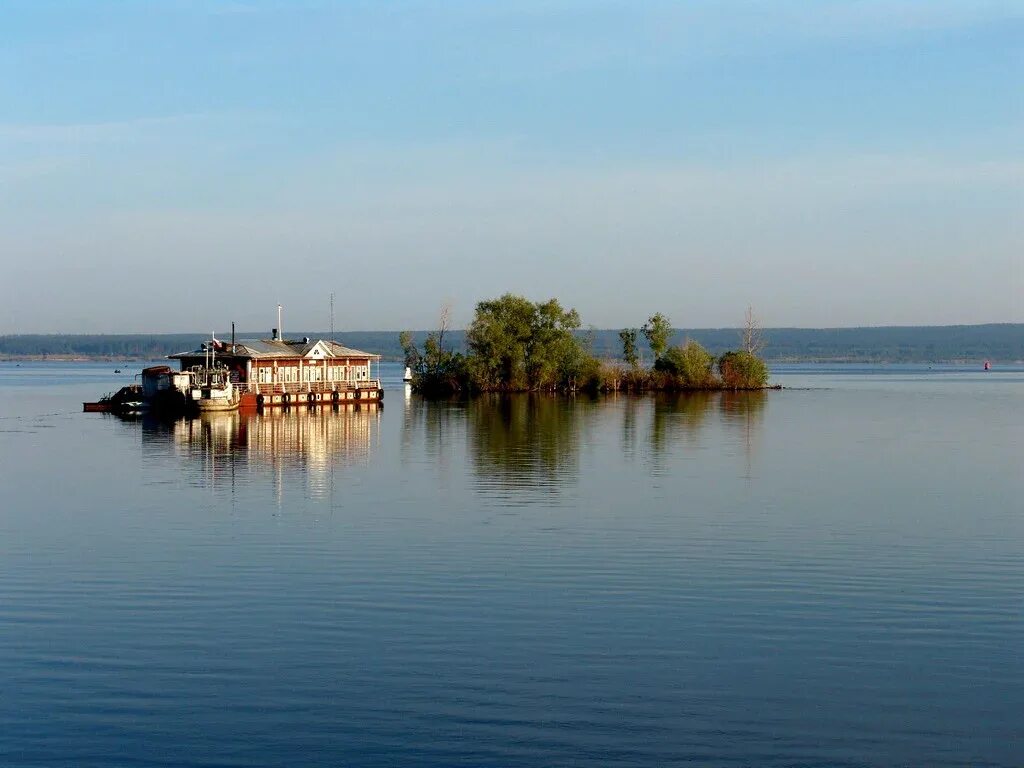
<point>178,165</point>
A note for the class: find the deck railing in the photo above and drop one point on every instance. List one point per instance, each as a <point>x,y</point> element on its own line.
<point>298,387</point>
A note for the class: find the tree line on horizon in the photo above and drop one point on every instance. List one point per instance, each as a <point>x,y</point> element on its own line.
<point>998,342</point>
<point>517,345</point>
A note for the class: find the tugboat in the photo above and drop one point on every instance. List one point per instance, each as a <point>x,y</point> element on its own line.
<point>211,388</point>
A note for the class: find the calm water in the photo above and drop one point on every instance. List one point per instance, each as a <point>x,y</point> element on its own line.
<point>830,575</point>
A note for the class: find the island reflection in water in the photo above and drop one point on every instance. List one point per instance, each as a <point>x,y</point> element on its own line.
<point>751,581</point>
<point>308,441</point>
<point>526,449</point>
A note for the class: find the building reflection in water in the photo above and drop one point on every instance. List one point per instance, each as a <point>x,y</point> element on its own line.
<point>307,441</point>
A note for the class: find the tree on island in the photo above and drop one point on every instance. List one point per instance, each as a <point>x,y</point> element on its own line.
<point>752,334</point>
<point>518,345</point>
<point>409,350</point>
<point>628,337</point>
<point>658,331</point>
<point>437,370</point>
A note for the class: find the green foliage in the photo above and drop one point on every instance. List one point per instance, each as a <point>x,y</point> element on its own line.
<point>439,370</point>
<point>518,345</point>
<point>690,364</point>
<point>410,351</point>
<point>629,350</point>
<point>658,331</point>
<point>742,370</point>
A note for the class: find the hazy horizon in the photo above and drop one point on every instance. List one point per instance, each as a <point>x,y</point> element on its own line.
<point>250,333</point>
<point>834,164</point>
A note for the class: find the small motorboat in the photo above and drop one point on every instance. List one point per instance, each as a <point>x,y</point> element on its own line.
<point>407,378</point>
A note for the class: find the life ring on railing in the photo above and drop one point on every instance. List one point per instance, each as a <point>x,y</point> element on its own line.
<point>310,398</point>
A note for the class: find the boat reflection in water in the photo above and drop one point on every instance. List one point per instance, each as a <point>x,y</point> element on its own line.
<point>275,443</point>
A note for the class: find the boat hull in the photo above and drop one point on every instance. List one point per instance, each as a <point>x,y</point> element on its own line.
<point>218,405</point>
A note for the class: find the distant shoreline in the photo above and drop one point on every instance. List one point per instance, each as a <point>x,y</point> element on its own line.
<point>1000,343</point>
<point>961,361</point>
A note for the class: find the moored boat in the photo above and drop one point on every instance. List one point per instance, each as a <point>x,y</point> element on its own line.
<point>213,391</point>
<point>126,399</point>
<point>256,374</point>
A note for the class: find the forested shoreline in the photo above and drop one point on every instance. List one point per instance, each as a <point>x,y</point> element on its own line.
<point>1000,343</point>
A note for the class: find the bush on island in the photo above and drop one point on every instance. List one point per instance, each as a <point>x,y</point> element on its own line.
<point>690,364</point>
<point>742,370</point>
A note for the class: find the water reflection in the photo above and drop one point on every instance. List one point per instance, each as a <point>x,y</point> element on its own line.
<point>526,447</point>
<point>743,407</point>
<point>306,440</point>
<point>678,416</point>
<point>688,421</point>
<point>746,411</point>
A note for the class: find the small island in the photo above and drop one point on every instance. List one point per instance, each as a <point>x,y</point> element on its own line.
<point>517,345</point>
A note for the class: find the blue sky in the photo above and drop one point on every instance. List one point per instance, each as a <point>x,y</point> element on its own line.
<point>179,165</point>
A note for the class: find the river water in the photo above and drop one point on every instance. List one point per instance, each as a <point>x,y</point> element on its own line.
<point>827,575</point>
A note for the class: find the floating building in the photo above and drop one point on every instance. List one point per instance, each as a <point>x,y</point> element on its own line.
<point>280,372</point>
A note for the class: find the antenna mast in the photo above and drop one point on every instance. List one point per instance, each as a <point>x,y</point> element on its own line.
<point>332,316</point>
